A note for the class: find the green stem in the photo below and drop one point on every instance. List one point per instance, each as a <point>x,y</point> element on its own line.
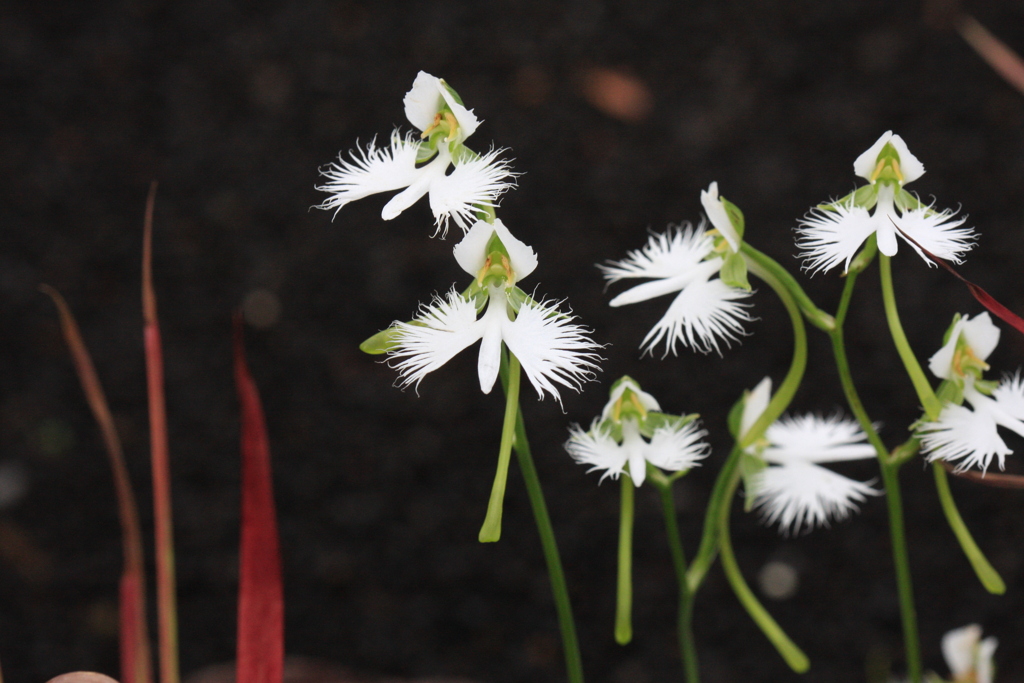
<point>794,657</point>
<point>491,529</point>
<point>922,386</point>
<point>888,467</point>
<point>905,588</point>
<point>987,574</point>
<point>556,574</point>
<point>687,647</point>
<point>792,654</point>
<point>783,396</point>
<point>624,585</point>
<point>765,263</point>
<point>729,475</point>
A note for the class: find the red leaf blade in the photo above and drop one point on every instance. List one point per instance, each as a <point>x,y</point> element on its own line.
<point>260,656</point>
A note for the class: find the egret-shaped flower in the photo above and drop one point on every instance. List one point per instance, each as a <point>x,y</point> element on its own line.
<point>970,659</point>
<point>793,489</point>
<point>421,165</point>
<point>831,234</point>
<point>970,436</point>
<point>632,431</point>
<point>551,348</point>
<point>707,310</point>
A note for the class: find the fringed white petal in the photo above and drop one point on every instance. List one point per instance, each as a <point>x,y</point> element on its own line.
<point>665,255</point>
<point>811,438</point>
<point>1009,395</point>
<point>551,348</point>
<point>830,237</point>
<point>938,232</point>
<point>439,332</point>
<point>369,171</point>
<point>674,449</point>
<point>473,183</point>
<point>801,496</point>
<point>967,437</point>
<point>703,315</point>
<point>598,449</point>
<point>425,178</point>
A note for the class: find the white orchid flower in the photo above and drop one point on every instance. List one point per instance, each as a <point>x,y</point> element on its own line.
<point>970,659</point>
<point>551,349</point>
<point>970,436</point>
<point>705,312</point>
<point>832,234</point>
<point>617,438</point>
<point>794,490</point>
<point>475,182</point>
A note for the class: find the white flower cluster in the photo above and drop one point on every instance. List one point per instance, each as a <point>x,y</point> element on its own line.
<point>970,436</point>
<point>552,350</point>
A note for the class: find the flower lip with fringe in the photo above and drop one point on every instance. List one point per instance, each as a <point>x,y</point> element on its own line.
<point>832,234</point>
<point>551,348</point>
<point>631,431</point>
<point>793,489</point>
<point>420,166</point>
<point>706,311</point>
<point>970,436</point>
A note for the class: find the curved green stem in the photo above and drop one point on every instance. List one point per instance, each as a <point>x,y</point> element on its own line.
<point>787,389</point>
<point>556,574</point>
<point>728,477</point>
<point>491,529</point>
<point>687,647</point>
<point>793,655</point>
<point>932,406</point>
<point>765,263</point>
<point>987,574</point>
<point>888,466</point>
<point>624,583</point>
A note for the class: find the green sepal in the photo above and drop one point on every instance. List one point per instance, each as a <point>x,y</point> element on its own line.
<point>736,417</point>
<point>734,271</point>
<point>949,330</point>
<point>655,421</point>
<point>384,341</point>
<point>750,466</point>
<point>951,392</point>
<point>427,151</point>
<point>735,217</point>
<point>516,298</point>
<point>865,196</point>
<point>905,201</point>
<point>451,91</point>
<point>986,386</point>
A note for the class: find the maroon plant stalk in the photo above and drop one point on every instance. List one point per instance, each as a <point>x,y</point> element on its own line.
<point>999,56</point>
<point>260,595</point>
<point>166,602</point>
<point>983,297</point>
<point>135,665</point>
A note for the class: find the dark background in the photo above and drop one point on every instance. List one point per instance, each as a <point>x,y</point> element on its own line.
<point>233,106</point>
